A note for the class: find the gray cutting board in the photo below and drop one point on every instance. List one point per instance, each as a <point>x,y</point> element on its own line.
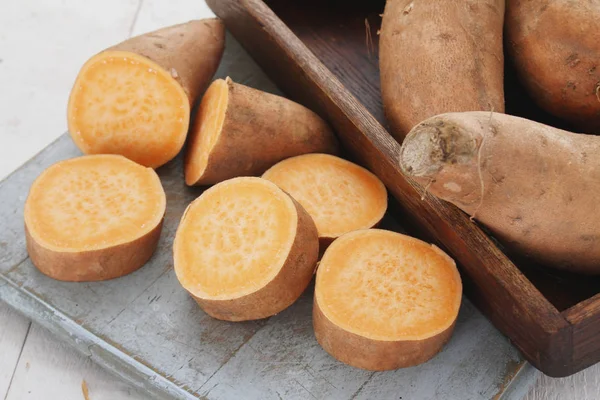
<point>147,330</point>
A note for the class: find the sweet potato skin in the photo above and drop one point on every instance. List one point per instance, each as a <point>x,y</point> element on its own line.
<point>93,265</point>
<point>374,355</point>
<point>440,56</point>
<point>190,52</point>
<point>555,47</point>
<point>284,289</point>
<point>534,186</point>
<point>259,130</point>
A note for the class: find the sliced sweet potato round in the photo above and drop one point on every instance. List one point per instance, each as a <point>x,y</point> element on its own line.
<point>241,131</point>
<point>245,249</point>
<point>339,196</point>
<point>385,300</point>
<point>93,218</point>
<point>134,99</point>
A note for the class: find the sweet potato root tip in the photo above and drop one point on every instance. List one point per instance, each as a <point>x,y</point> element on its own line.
<point>340,196</point>
<point>245,249</point>
<point>240,131</point>
<point>93,218</point>
<point>385,300</point>
<point>134,99</point>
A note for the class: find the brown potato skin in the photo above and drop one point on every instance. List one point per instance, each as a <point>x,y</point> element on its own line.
<point>192,49</point>
<point>541,185</point>
<point>440,56</point>
<point>374,355</point>
<point>260,129</point>
<point>284,289</point>
<point>93,265</point>
<point>555,47</point>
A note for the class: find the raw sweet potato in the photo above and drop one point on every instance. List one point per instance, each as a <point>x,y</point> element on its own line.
<point>134,99</point>
<point>339,196</point>
<point>534,186</point>
<point>440,56</point>
<point>243,131</point>
<point>245,249</point>
<point>93,218</point>
<point>555,46</point>
<point>385,300</point>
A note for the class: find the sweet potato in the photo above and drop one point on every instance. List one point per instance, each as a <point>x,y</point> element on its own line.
<point>385,300</point>
<point>134,99</point>
<point>534,186</point>
<point>440,56</point>
<point>555,46</point>
<point>245,249</point>
<point>339,196</point>
<point>93,218</point>
<point>243,131</point>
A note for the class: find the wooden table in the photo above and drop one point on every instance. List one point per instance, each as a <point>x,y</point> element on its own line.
<point>38,62</point>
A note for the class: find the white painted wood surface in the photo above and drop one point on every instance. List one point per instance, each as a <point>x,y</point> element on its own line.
<point>42,46</point>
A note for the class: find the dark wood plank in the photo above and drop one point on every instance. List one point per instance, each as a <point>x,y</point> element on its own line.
<point>585,318</point>
<point>494,283</point>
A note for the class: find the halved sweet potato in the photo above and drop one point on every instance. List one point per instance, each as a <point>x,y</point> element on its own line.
<point>339,196</point>
<point>385,300</point>
<point>241,131</point>
<point>245,249</point>
<point>93,218</point>
<point>134,99</point>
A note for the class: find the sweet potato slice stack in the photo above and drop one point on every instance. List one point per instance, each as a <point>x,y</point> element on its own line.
<point>385,300</point>
<point>93,218</point>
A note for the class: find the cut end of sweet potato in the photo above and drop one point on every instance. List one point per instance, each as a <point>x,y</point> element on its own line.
<point>434,143</point>
<point>93,217</point>
<point>124,103</point>
<point>340,196</point>
<point>245,250</point>
<point>385,300</point>
<point>207,127</point>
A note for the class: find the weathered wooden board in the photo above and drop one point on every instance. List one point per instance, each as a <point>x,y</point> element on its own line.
<point>146,329</point>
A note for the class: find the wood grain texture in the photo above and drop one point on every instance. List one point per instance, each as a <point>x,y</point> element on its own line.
<point>329,85</point>
<point>13,333</point>
<point>41,354</point>
<point>584,385</point>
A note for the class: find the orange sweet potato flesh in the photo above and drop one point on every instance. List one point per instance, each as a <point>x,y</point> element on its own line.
<point>555,46</point>
<point>385,300</point>
<point>440,56</point>
<point>245,250</point>
<point>340,196</point>
<point>241,131</point>
<point>93,218</point>
<point>135,98</point>
<point>535,187</point>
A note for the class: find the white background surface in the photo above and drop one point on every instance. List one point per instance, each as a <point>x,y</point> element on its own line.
<point>42,46</point>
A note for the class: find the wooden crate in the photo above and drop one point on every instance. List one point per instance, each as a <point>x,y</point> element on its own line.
<point>318,53</point>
